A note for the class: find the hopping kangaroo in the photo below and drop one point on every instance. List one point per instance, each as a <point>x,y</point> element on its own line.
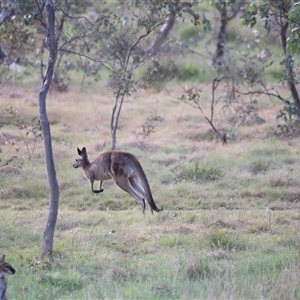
<point>5,268</point>
<point>123,168</point>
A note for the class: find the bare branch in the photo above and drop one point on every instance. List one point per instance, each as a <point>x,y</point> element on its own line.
<point>268,92</point>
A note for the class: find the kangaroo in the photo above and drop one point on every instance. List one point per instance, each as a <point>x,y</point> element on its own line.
<point>5,268</point>
<point>124,169</point>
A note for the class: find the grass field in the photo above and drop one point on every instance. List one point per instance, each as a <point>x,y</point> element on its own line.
<point>231,220</point>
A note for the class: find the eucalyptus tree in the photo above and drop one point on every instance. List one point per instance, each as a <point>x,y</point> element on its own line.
<point>47,8</point>
<point>17,30</point>
<point>135,39</point>
<point>281,17</point>
<point>227,11</point>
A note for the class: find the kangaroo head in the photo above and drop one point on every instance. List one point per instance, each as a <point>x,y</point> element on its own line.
<point>82,157</point>
<point>6,267</point>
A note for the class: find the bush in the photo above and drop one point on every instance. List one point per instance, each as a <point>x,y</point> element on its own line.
<point>188,73</point>
<point>201,172</point>
<point>219,239</point>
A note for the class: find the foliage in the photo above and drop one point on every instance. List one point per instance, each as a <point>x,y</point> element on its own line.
<point>32,129</point>
<point>219,239</point>
<point>158,74</point>
<point>79,40</point>
<point>289,119</point>
<point>127,49</point>
<point>199,171</point>
<point>18,35</point>
<point>188,73</point>
<point>150,123</point>
<point>8,166</point>
<point>294,22</point>
<point>278,12</point>
<point>269,10</point>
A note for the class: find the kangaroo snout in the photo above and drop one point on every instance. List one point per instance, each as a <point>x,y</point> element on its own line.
<point>77,163</point>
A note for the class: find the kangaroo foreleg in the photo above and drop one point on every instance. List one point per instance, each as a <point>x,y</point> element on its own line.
<point>100,187</point>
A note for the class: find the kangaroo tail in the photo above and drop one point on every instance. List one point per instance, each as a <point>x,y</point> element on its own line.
<point>147,189</point>
<point>150,199</point>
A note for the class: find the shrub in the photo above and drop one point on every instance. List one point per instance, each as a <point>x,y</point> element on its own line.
<point>199,171</point>
<point>219,239</point>
<point>259,167</point>
<point>188,73</point>
<point>198,269</point>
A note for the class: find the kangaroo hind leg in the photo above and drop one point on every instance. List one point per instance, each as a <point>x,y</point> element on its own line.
<point>135,184</point>
<point>125,184</point>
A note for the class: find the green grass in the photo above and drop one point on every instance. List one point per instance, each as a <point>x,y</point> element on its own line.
<point>106,255</point>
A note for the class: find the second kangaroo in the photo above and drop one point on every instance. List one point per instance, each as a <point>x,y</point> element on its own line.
<point>5,268</point>
<point>123,168</point>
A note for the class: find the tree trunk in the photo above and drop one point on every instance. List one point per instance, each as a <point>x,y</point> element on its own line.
<point>6,13</point>
<point>218,59</point>
<point>289,60</point>
<point>47,247</point>
<point>164,31</point>
<point>227,11</point>
<point>114,119</point>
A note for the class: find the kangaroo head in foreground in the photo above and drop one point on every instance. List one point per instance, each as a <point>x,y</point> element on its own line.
<point>5,268</point>
<point>123,168</point>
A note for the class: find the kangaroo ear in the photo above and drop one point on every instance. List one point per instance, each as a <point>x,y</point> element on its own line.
<point>83,150</point>
<point>2,258</point>
<point>79,151</point>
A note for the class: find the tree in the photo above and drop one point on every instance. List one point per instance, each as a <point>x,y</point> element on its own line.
<point>227,12</point>
<point>293,42</point>
<point>127,47</point>
<point>17,30</point>
<point>276,15</point>
<point>49,26</point>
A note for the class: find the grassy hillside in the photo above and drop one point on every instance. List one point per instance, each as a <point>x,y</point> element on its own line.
<point>230,225</point>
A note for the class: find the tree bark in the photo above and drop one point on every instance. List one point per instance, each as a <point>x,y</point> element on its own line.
<point>6,13</point>
<point>166,28</point>
<point>47,246</point>
<point>227,13</point>
<point>289,60</point>
<point>218,59</point>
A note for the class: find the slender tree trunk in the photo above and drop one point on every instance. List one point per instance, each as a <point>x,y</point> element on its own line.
<point>6,13</point>
<point>289,60</point>
<point>47,247</point>
<point>113,125</point>
<point>227,11</point>
<point>114,119</point>
<point>164,31</point>
<point>218,59</point>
